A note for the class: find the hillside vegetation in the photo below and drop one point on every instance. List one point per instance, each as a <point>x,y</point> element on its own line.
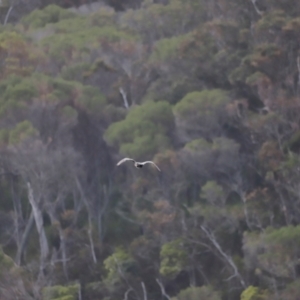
<point>208,90</point>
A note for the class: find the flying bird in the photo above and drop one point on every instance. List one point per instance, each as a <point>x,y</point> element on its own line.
<point>138,164</point>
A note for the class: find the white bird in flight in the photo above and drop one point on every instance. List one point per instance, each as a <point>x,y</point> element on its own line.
<point>138,164</point>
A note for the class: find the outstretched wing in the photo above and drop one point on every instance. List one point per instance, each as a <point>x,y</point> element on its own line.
<point>151,162</point>
<point>125,159</point>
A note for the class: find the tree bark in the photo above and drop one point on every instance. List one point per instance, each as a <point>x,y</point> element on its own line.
<point>144,290</point>
<point>90,229</point>
<point>227,258</point>
<point>162,288</point>
<point>24,239</point>
<point>37,214</point>
<point>124,97</point>
<point>8,14</point>
<point>126,293</point>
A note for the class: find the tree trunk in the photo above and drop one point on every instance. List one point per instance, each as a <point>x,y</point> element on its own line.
<point>89,219</point>
<point>17,208</point>
<point>8,14</point>
<point>63,251</point>
<point>226,257</point>
<point>62,240</point>
<point>24,239</point>
<point>38,217</point>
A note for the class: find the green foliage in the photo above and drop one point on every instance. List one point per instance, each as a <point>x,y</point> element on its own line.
<point>12,80</point>
<point>219,145</point>
<point>17,56</point>
<point>280,250</point>
<point>253,293</point>
<point>257,64</point>
<point>291,291</point>
<point>226,32</point>
<point>224,144</point>
<point>200,52</point>
<point>21,91</point>
<point>274,20</point>
<point>198,145</point>
<point>216,156</point>
<point>4,137</point>
<point>74,38</point>
<point>262,59</point>
<point>226,166</point>
<point>196,293</point>
<point>287,236</point>
<point>87,96</point>
<point>291,27</point>
<point>59,292</point>
<point>255,77</point>
<point>202,111</point>
<point>199,48</point>
<point>144,131</point>
<point>63,89</point>
<point>118,265</point>
<point>51,14</point>
<point>6,262</point>
<point>156,21</point>
<point>167,48</point>
<point>241,73</point>
<point>104,17</point>
<point>213,192</point>
<point>75,71</point>
<point>17,93</point>
<point>69,112</point>
<point>21,132</point>
<point>92,99</point>
<point>291,7</point>
<point>173,258</point>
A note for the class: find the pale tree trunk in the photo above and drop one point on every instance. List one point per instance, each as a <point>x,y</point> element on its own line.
<point>24,239</point>
<point>256,8</point>
<point>63,251</point>
<point>62,239</point>
<point>244,200</point>
<point>162,288</point>
<point>21,237</point>
<point>127,293</point>
<point>79,292</point>
<point>124,97</point>
<point>226,257</point>
<point>90,232</point>
<point>38,217</point>
<point>17,209</point>
<point>8,14</point>
<point>144,290</point>
<point>102,211</point>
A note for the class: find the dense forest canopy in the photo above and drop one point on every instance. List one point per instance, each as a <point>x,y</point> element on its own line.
<point>208,90</point>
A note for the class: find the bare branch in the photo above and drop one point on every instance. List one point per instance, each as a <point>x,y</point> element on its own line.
<point>228,259</point>
<point>256,8</point>
<point>162,288</point>
<point>37,213</point>
<point>123,216</point>
<point>24,239</point>
<point>79,292</point>
<point>8,14</point>
<point>144,290</point>
<point>124,97</point>
<point>89,220</point>
<point>124,277</point>
<point>126,293</point>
